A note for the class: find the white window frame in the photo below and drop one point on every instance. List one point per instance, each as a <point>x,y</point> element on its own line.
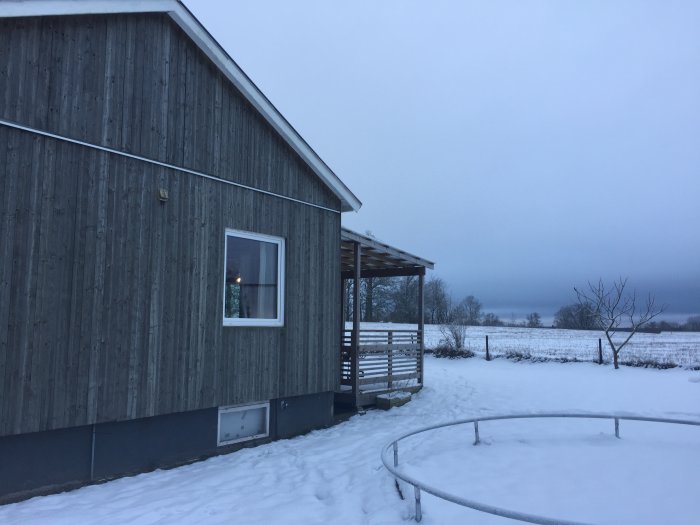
<point>237,321</point>
<point>241,408</point>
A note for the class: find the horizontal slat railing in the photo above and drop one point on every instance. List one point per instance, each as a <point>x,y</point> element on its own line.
<point>386,357</point>
<point>382,348</point>
<point>395,378</point>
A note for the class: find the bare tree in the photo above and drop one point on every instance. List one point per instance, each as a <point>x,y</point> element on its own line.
<point>491,319</point>
<point>470,309</point>
<point>348,296</point>
<point>575,317</point>
<point>454,335</point>
<point>693,324</point>
<point>453,330</point>
<point>405,304</point>
<point>437,302</point>
<point>375,296</point>
<point>534,320</point>
<point>611,306</point>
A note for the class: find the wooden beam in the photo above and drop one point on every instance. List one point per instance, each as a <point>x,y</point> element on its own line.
<point>386,272</point>
<point>356,323</point>
<point>421,323</point>
<point>343,313</point>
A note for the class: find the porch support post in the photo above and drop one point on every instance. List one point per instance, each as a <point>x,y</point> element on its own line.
<point>421,321</point>
<point>357,263</point>
<point>343,314</point>
<point>342,358</point>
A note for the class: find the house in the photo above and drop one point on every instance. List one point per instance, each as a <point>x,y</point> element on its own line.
<point>170,266</point>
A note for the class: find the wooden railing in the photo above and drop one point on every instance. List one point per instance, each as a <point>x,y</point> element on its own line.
<point>387,359</point>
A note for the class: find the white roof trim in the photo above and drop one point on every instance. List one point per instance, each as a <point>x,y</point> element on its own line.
<point>15,8</point>
<point>194,29</point>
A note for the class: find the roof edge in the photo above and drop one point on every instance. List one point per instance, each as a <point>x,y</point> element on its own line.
<point>17,8</point>
<point>184,18</point>
<point>347,234</point>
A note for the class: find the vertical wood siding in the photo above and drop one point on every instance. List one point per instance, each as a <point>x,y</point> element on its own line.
<point>112,301</point>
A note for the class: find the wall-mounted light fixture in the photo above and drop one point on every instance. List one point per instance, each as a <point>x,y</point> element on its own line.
<point>163,195</point>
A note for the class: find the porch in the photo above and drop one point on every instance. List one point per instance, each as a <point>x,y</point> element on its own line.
<point>377,361</point>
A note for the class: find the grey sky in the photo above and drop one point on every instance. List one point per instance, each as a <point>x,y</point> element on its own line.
<point>524,146</point>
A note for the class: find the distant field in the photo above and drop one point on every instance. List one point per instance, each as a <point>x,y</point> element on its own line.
<point>664,349</point>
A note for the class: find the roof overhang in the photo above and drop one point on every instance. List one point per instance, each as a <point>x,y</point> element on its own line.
<point>196,31</point>
<point>377,259</point>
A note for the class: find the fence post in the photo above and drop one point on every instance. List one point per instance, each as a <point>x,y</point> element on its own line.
<point>600,351</point>
<point>488,356</point>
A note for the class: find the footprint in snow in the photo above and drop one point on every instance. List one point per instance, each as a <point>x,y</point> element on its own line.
<point>322,493</point>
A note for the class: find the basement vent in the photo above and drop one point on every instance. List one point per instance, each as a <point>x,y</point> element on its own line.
<point>243,423</point>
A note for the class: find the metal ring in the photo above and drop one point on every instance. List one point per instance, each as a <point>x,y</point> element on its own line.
<point>491,509</point>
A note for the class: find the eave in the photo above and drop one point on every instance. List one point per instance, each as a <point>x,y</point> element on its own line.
<point>211,48</point>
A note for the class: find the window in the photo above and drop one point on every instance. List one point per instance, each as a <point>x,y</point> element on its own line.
<point>254,280</point>
<point>243,423</point>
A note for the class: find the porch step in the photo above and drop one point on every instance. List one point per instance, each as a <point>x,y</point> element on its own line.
<point>393,399</point>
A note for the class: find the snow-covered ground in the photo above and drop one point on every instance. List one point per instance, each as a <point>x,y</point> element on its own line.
<point>563,468</point>
<point>678,348</point>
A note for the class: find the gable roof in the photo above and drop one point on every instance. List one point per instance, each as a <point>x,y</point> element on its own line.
<point>177,11</point>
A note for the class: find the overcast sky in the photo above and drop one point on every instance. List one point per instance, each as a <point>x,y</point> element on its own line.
<point>524,146</point>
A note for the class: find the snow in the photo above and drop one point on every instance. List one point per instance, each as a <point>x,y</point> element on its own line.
<point>398,394</point>
<point>677,348</point>
<point>570,469</point>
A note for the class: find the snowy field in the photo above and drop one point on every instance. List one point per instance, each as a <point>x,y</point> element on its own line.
<point>564,468</point>
<point>667,348</point>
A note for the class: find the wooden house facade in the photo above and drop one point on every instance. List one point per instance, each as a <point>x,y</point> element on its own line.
<point>134,158</point>
<point>169,249</point>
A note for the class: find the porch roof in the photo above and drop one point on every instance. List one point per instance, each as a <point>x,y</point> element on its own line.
<point>378,259</point>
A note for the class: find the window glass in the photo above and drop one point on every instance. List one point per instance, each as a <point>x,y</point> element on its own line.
<point>252,286</point>
<point>242,423</point>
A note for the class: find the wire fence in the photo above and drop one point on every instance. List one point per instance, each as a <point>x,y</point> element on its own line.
<point>663,350</point>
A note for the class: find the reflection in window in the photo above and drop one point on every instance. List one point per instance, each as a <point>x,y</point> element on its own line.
<point>253,279</point>
<point>238,424</point>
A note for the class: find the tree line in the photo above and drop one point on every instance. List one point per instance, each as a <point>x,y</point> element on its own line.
<point>611,308</point>
<point>581,316</point>
<point>440,308</point>
<point>384,299</point>
<point>395,299</point>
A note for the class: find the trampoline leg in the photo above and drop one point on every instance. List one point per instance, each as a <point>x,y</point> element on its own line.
<point>617,428</point>
<point>476,432</point>
<point>419,513</point>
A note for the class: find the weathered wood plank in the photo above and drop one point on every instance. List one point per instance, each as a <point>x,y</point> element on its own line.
<point>24,286</point>
<point>43,358</point>
<point>138,284</point>
<point>385,378</point>
<point>9,162</point>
